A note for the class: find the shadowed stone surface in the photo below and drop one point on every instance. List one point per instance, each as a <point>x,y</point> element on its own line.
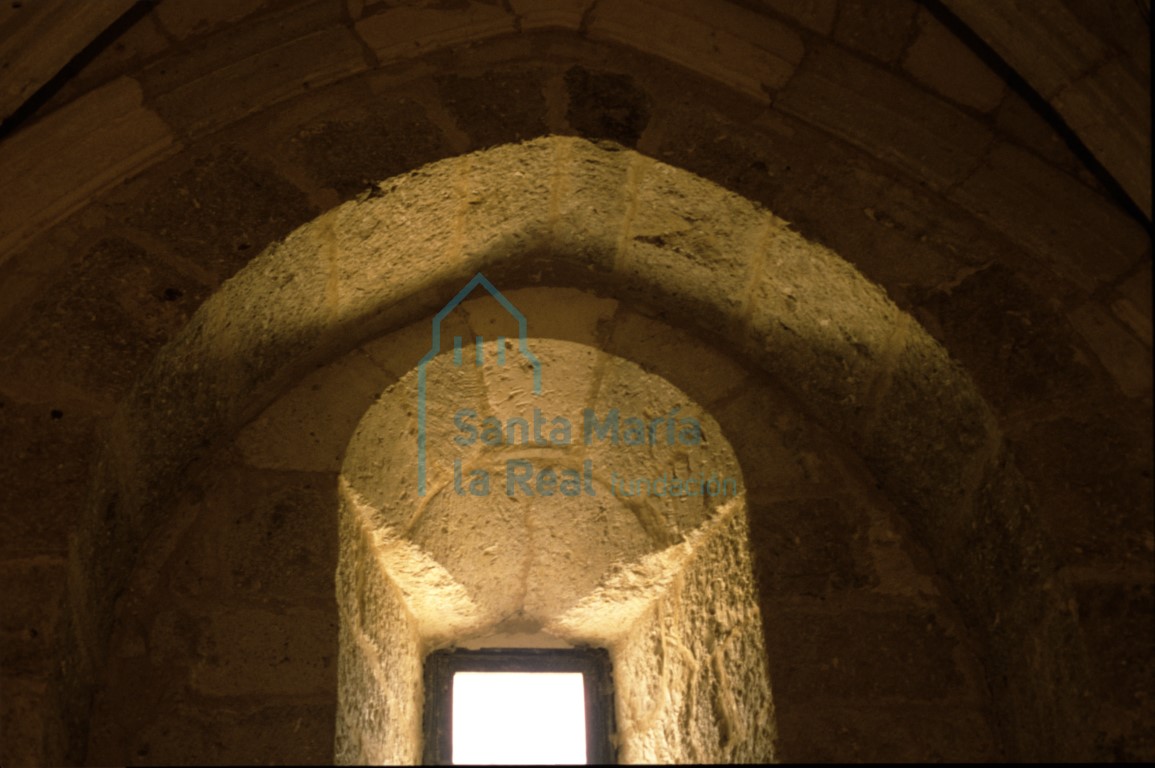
<point>195,134</point>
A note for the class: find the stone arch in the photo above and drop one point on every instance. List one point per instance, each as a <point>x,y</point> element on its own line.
<point>567,211</point>
<point>593,564</point>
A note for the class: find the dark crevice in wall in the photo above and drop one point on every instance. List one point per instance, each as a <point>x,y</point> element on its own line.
<point>1023,89</point>
<point>27,111</point>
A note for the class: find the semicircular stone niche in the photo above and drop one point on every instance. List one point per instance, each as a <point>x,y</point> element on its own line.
<point>605,508</point>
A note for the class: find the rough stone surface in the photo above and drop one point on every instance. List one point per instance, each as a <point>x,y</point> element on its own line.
<point>830,663</point>
<point>1126,358</point>
<point>1124,669</point>
<point>295,434</point>
<point>52,171</point>
<point>609,106</point>
<point>943,62</point>
<point>1134,308</point>
<point>37,511</point>
<point>803,288</point>
<point>266,655</point>
<point>882,733</point>
<point>1092,241</point>
<point>1100,508</point>
<point>185,18</point>
<point>248,205</point>
<point>706,375</point>
<point>31,610</point>
<point>100,332</point>
<point>879,28</point>
<point>1077,72</point>
<point>26,719</point>
<point>1022,122</point>
<point>872,109</point>
<point>212,90</point>
<point>351,152</point>
<point>1030,546</point>
<point>249,650</point>
<point>817,15</point>
<point>499,107</point>
<point>754,53</point>
<point>811,548</point>
<point>1016,344</point>
<point>40,39</point>
<point>408,31</point>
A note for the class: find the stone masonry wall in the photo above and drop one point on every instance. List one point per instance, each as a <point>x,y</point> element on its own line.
<point>233,612</point>
<point>209,130</point>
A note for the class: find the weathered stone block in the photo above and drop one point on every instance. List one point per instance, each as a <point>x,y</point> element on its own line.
<point>688,239</point>
<point>140,42</point>
<point>810,547</point>
<point>44,476</point>
<point>185,18</point>
<point>1126,358</point>
<point>538,14</point>
<point>173,635</point>
<point>1107,109</point>
<point>556,313</point>
<point>1115,615</point>
<point>879,28</point>
<point>40,38</point>
<point>239,89</point>
<point>352,150</point>
<point>292,21</point>
<point>262,653</point>
<point>821,328</point>
<point>101,325</point>
<point>529,223</point>
<point>885,116</point>
<point>830,655</point>
<point>817,15</point>
<point>702,370</point>
<point>1019,120</point>
<point>217,212</point>
<point>782,455</point>
<point>747,50</point>
<point>1134,308</point>
<point>902,240</point>
<point>52,169</point>
<point>1091,477</point>
<point>401,33</point>
<point>501,107</point>
<point>1016,347</point>
<point>31,607</point>
<point>928,441</point>
<point>189,731</point>
<point>308,428</point>
<point>1051,46</point>
<point>884,732</point>
<point>265,535</point>
<point>940,60</point>
<point>1080,234</point>
<point>26,712</point>
<point>401,351</point>
<point>607,106</point>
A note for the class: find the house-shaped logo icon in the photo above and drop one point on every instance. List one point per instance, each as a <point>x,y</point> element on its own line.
<point>478,358</point>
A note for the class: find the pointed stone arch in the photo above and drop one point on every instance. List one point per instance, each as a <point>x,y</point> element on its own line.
<point>566,211</point>
<point>595,564</point>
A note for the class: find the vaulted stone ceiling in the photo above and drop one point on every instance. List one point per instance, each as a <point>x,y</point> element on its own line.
<point>986,166</point>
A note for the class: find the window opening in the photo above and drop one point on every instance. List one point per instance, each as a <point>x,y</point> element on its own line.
<point>518,706</point>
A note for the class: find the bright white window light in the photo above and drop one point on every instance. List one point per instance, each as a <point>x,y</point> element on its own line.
<point>519,718</point>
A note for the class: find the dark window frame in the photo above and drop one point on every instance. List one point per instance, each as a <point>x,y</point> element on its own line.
<point>593,663</point>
